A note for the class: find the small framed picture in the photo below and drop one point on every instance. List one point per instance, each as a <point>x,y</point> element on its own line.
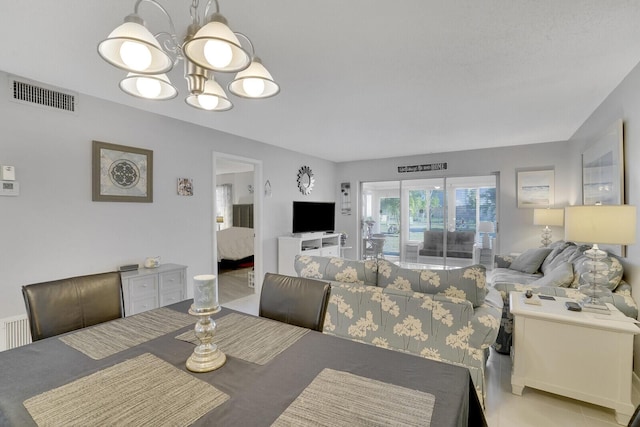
<point>121,174</point>
<point>535,188</point>
<point>185,187</point>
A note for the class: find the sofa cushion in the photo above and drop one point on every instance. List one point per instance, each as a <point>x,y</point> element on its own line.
<point>562,276</point>
<point>507,275</point>
<point>337,269</point>
<point>466,283</point>
<point>556,249</point>
<point>530,260</point>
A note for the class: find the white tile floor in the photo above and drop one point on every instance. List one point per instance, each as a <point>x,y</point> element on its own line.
<point>504,409</point>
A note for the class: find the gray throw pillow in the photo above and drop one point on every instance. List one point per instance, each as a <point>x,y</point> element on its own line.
<point>529,261</point>
<point>561,276</point>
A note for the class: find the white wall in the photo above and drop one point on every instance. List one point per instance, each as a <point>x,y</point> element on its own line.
<point>53,229</point>
<point>623,103</point>
<point>239,186</point>
<point>516,225</point>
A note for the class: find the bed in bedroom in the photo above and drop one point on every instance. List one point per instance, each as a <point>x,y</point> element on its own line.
<point>236,243</point>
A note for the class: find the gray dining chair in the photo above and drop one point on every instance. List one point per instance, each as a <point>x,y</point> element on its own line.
<point>61,306</point>
<point>294,300</point>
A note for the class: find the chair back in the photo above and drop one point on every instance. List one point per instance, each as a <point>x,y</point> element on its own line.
<point>294,300</point>
<point>65,305</point>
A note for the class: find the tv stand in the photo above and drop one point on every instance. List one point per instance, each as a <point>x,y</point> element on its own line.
<point>315,244</point>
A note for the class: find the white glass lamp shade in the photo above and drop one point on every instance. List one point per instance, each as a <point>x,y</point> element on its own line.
<point>254,82</point>
<point>216,48</point>
<point>205,293</point>
<point>212,98</point>
<point>133,48</point>
<point>157,87</point>
<point>605,224</point>
<point>552,217</point>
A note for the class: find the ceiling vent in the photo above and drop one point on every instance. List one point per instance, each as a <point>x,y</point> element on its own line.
<point>38,94</point>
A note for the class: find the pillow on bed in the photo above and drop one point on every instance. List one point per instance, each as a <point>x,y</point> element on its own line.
<point>530,260</point>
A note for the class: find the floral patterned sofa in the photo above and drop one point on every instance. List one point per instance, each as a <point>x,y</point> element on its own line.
<point>444,315</point>
<point>554,271</point>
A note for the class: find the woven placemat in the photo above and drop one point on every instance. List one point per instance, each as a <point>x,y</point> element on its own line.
<point>249,338</point>
<point>112,337</point>
<point>144,390</point>
<point>336,398</point>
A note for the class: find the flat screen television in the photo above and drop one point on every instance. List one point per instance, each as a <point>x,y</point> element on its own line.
<point>311,217</point>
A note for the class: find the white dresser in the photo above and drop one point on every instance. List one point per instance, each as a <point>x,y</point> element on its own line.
<point>149,288</point>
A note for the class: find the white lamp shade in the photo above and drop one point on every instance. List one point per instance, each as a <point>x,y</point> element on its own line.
<point>214,91</point>
<point>136,33</point>
<point>162,88</point>
<point>218,32</point>
<point>606,224</point>
<point>552,217</point>
<point>255,75</point>
<point>485,227</point>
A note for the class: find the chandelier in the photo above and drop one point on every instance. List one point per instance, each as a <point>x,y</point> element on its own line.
<point>205,49</point>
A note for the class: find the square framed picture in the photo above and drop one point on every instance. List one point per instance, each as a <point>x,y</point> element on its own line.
<point>185,187</point>
<point>121,173</point>
<point>535,188</point>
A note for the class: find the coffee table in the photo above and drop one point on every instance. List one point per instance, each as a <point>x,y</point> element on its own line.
<point>582,355</point>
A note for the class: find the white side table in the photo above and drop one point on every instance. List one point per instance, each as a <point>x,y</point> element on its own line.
<point>582,355</point>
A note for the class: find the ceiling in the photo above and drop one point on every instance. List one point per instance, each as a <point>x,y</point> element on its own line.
<point>365,79</point>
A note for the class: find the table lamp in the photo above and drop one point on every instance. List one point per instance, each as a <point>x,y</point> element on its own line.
<point>548,217</point>
<point>599,224</point>
<point>219,220</point>
<point>485,227</point>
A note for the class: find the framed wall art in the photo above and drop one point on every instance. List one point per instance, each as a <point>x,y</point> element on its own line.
<point>603,168</point>
<point>185,187</point>
<point>535,188</point>
<point>121,174</point>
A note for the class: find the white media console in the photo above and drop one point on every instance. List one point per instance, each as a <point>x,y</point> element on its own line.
<point>319,244</point>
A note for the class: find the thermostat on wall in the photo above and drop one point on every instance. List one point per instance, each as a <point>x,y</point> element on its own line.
<point>7,173</point>
<point>9,188</point>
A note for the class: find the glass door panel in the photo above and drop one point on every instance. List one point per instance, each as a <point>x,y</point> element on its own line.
<point>381,220</point>
<point>425,206</point>
<point>472,219</point>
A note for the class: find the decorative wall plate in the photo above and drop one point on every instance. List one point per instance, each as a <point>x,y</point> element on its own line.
<point>305,180</point>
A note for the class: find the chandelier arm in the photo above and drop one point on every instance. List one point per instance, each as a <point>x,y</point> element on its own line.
<point>193,11</point>
<point>171,44</point>
<point>253,52</point>
<point>206,10</point>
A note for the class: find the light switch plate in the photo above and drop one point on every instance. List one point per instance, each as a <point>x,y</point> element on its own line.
<point>8,173</point>
<point>9,188</point>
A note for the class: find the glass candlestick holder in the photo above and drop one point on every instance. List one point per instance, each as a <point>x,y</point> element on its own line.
<point>206,356</point>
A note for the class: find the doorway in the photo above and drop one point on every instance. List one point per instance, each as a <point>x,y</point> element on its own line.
<point>236,219</point>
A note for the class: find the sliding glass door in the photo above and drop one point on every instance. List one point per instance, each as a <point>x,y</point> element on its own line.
<point>435,221</point>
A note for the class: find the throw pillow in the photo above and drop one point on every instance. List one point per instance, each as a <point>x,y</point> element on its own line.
<point>613,274</point>
<point>561,276</point>
<point>530,260</point>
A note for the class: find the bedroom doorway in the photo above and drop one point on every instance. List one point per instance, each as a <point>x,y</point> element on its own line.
<point>236,224</point>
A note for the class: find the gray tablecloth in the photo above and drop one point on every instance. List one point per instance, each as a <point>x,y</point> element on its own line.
<point>258,394</point>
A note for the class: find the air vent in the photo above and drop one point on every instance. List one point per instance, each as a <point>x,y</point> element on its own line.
<point>33,93</point>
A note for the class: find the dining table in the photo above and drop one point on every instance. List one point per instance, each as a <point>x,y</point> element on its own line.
<point>132,371</point>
